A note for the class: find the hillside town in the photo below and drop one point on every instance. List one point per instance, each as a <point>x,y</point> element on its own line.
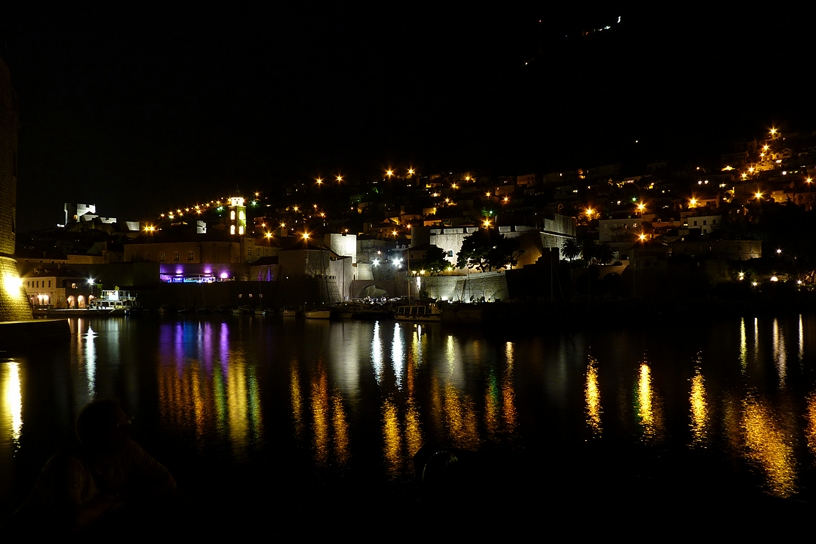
<point>664,230</point>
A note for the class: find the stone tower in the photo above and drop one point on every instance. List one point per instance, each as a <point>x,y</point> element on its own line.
<point>13,302</point>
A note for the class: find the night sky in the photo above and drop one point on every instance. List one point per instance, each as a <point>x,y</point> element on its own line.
<point>142,109</point>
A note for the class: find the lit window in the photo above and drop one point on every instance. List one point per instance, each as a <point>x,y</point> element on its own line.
<point>232,215</point>
<point>241,229</point>
<point>232,229</point>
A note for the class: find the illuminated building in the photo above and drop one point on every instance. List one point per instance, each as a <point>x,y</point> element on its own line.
<point>236,218</point>
<point>59,288</point>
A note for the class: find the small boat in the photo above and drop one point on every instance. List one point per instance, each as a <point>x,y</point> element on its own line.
<point>289,312</point>
<point>318,314</point>
<point>373,312</point>
<point>420,312</point>
<point>114,299</point>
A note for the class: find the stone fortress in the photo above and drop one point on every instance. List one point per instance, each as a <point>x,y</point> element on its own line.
<point>14,305</point>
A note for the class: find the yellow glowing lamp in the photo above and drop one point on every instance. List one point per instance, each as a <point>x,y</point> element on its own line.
<point>12,283</point>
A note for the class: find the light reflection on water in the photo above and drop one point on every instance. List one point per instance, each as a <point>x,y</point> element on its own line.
<point>342,394</point>
<point>593,398</point>
<point>699,409</point>
<point>12,407</point>
<point>217,398</point>
<point>648,407</point>
<point>768,446</point>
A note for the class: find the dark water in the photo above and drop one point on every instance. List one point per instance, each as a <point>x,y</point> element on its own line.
<point>304,427</point>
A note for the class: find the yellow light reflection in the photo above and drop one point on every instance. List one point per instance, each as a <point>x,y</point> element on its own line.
<point>417,341</point>
<point>320,418</point>
<point>341,430</point>
<point>297,401</point>
<point>779,354</point>
<point>450,352</point>
<point>237,401</point>
<point>768,447</point>
<point>413,431</point>
<point>460,418</point>
<point>13,401</point>
<point>810,417</point>
<point>508,390</point>
<point>648,407</point>
<point>699,410</point>
<point>592,395</point>
<point>743,347</point>
<point>392,441</point>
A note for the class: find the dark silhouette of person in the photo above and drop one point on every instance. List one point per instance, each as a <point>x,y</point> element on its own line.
<point>105,481</point>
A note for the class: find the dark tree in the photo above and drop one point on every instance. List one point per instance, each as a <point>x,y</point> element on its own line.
<point>433,263</point>
<point>604,253</point>
<point>435,260</point>
<point>571,249</point>
<point>488,249</point>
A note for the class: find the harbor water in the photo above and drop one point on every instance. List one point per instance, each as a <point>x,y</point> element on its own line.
<point>310,427</point>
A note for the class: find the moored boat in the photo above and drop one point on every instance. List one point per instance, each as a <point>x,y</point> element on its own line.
<point>318,314</point>
<point>419,311</point>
